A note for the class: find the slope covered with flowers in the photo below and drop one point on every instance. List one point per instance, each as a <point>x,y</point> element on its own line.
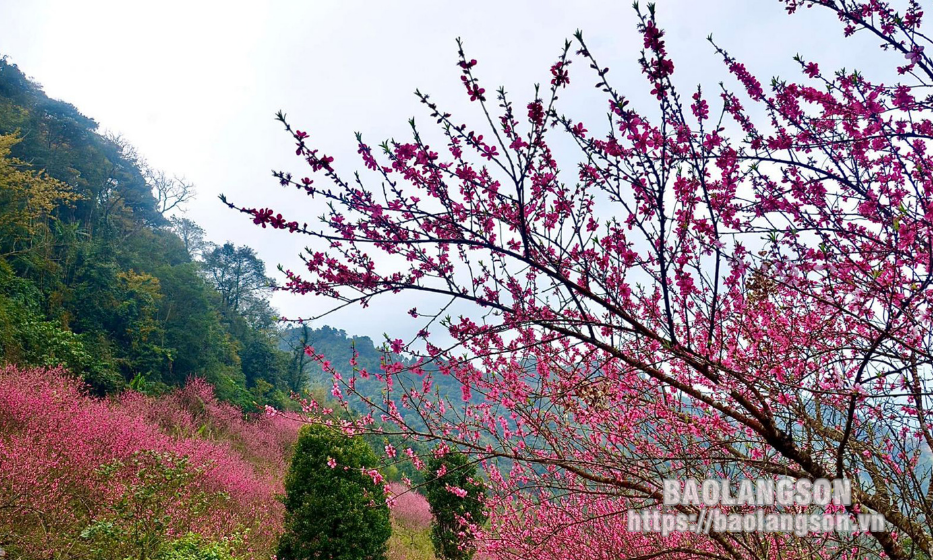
<point>80,476</point>
<point>411,525</point>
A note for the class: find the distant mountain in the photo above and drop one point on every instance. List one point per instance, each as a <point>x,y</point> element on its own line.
<point>337,347</point>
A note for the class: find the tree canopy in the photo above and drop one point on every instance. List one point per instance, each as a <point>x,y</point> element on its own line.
<point>334,499</point>
<point>455,494</point>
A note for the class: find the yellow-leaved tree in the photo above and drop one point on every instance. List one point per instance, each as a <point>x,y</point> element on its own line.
<point>27,200</point>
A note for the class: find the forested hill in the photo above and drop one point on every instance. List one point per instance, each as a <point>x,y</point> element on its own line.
<point>338,347</point>
<point>100,272</point>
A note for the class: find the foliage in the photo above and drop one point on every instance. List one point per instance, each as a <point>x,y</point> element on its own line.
<point>334,502</point>
<point>26,338</point>
<point>736,285</point>
<point>456,496</point>
<point>194,547</point>
<point>191,235</point>
<point>407,543</point>
<point>27,200</point>
<point>238,274</point>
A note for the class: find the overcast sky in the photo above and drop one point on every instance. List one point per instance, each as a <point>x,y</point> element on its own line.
<point>194,85</point>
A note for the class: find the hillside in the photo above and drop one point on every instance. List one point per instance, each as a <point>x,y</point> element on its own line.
<point>85,477</point>
<point>134,356</point>
<point>100,271</point>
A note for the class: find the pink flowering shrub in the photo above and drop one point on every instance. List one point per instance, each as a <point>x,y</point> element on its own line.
<point>411,525</point>
<point>71,463</point>
<point>409,508</point>
<point>194,412</point>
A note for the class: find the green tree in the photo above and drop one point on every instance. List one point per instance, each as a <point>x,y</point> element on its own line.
<point>450,475</point>
<point>27,200</point>
<point>140,331</point>
<point>334,510</point>
<point>195,547</point>
<point>193,327</point>
<point>191,234</point>
<point>237,273</point>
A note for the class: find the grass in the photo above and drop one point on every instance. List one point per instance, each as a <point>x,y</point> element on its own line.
<point>410,543</point>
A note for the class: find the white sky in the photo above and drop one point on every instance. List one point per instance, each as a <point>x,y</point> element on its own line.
<point>194,85</point>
